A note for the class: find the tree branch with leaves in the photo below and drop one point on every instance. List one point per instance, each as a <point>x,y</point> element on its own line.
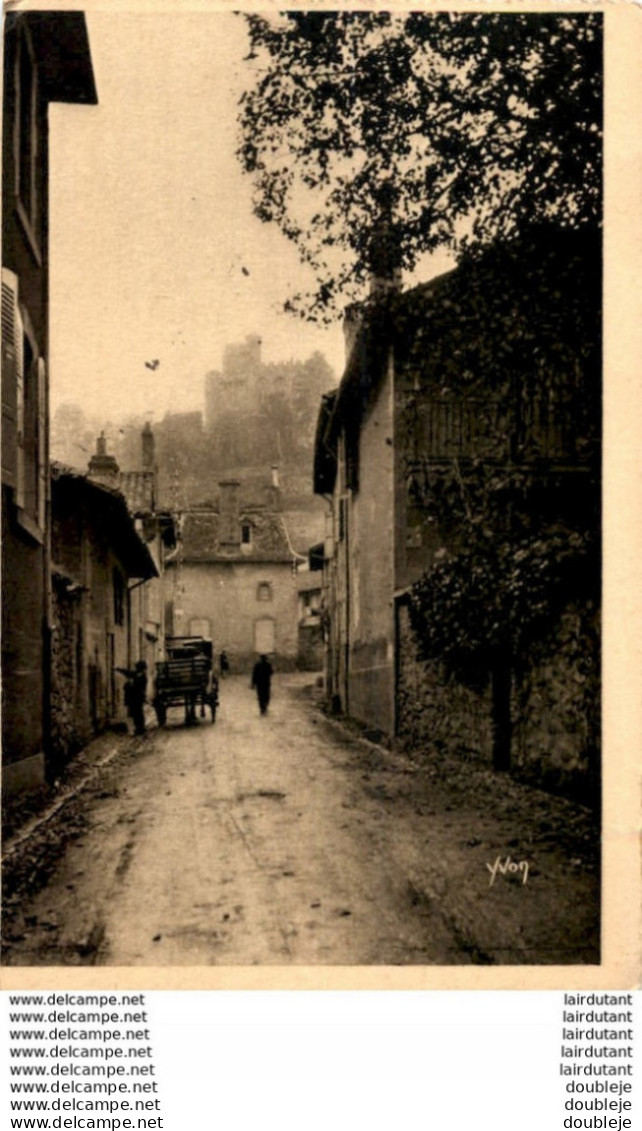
<point>460,127</point>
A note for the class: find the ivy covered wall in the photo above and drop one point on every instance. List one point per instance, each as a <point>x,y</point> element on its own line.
<point>497,438</point>
<point>554,707</point>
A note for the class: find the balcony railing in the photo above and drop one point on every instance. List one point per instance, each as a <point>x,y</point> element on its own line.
<point>457,428</point>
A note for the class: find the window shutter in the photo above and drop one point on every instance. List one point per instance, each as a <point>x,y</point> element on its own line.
<point>42,442</point>
<point>9,378</point>
<point>20,410</point>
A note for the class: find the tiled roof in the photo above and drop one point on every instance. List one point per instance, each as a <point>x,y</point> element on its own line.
<point>109,510</point>
<point>200,541</point>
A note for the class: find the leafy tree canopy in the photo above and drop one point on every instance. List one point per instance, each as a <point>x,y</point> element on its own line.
<point>458,128</point>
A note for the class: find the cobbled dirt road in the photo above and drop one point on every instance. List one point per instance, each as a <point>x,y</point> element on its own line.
<point>287,839</point>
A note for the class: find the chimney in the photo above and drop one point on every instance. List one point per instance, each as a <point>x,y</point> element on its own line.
<point>383,257</point>
<point>228,508</point>
<point>147,437</point>
<point>103,468</point>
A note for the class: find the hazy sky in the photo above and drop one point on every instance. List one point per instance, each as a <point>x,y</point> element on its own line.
<point>151,225</point>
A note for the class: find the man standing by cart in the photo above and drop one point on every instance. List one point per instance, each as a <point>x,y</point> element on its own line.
<point>135,694</point>
<point>261,681</point>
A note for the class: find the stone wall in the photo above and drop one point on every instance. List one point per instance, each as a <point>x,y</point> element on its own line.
<point>555,707</point>
<point>371,684</point>
<point>67,734</point>
<point>435,711</point>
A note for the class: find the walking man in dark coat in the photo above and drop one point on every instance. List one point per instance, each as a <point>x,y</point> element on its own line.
<point>261,681</point>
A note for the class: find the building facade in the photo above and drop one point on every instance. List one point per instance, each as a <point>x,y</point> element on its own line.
<point>46,59</point>
<point>99,561</point>
<point>460,457</point>
<point>311,653</point>
<point>157,529</point>
<point>233,578</point>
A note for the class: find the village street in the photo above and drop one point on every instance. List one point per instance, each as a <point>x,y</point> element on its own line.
<point>290,840</point>
<point>380,462</point>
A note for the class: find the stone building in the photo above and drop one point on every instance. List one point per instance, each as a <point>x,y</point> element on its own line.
<point>110,542</point>
<point>233,578</point>
<point>462,449</point>
<point>46,59</point>
<point>157,528</point>
<point>97,559</point>
<point>311,653</point>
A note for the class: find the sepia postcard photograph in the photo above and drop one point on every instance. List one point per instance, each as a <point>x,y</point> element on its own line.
<point>306,413</point>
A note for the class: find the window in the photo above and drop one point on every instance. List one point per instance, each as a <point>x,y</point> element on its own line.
<point>119,597</point>
<point>12,387</point>
<point>246,534</point>
<point>264,591</point>
<point>26,137</point>
<point>24,411</point>
<point>32,439</point>
<point>27,437</point>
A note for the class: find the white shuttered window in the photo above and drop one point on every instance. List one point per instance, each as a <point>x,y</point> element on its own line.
<point>13,388</point>
<point>9,390</point>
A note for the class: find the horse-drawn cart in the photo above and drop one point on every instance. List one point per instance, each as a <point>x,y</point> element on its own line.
<point>185,678</point>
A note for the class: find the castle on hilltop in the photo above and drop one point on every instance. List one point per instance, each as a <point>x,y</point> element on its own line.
<point>263,413</point>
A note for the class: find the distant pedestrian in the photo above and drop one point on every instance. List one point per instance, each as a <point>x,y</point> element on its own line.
<point>261,681</point>
<point>135,694</point>
<point>224,664</point>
